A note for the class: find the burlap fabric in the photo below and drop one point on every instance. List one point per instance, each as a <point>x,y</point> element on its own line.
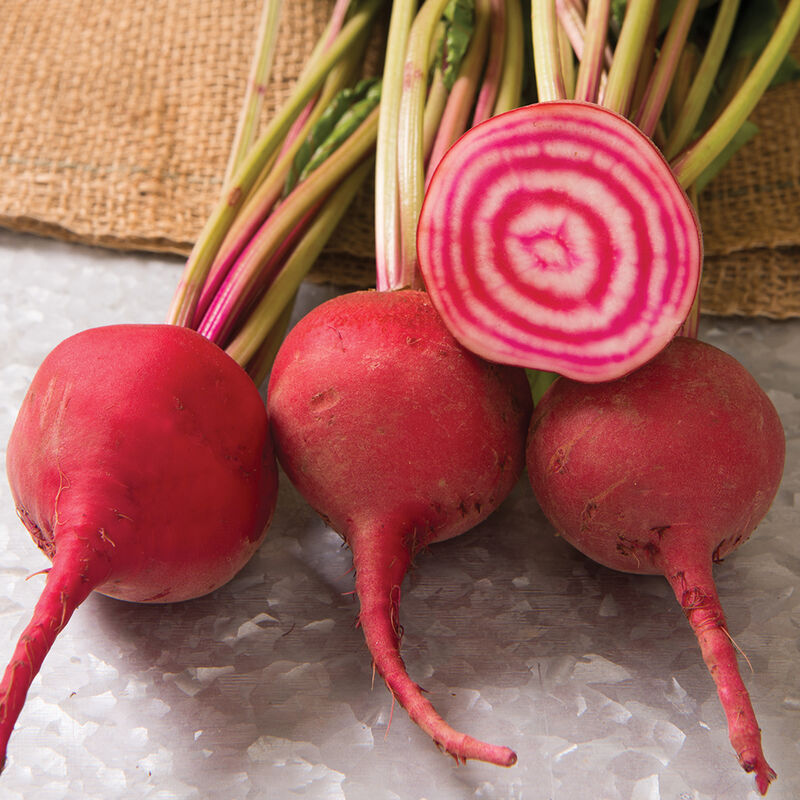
<point>751,218</point>
<point>116,119</point>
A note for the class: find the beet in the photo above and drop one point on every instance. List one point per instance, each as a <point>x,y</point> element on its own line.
<point>666,471</point>
<point>399,438</point>
<point>141,464</point>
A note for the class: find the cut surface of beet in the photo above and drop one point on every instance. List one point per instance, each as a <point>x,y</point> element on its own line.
<point>556,237</point>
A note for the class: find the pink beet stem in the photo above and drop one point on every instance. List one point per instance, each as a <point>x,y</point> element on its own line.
<point>337,20</point>
<point>379,573</point>
<point>696,592</point>
<point>456,116</point>
<point>241,232</point>
<point>76,571</point>
<point>484,105</point>
<point>248,277</point>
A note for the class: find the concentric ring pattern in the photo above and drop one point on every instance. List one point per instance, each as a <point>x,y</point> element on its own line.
<point>556,237</point>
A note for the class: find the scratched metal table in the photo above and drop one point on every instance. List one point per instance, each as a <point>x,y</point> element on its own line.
<point>264,689</point>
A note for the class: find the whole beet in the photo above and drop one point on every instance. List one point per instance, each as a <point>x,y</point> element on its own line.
<point>141,464</point>
<point>666,471</point>
<point>399,438</point>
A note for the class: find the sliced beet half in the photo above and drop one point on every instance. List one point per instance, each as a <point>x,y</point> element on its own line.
<point>556,237</point>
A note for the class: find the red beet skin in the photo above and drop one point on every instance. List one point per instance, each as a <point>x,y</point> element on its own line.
<point>666,471</point>
<point>141,464</point>
<point>399,437</point>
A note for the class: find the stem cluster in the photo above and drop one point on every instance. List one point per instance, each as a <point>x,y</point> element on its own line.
<point>263,236</point>
<point>449,64</point>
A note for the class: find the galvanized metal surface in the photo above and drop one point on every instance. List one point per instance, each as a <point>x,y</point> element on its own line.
<point>264,689</point>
